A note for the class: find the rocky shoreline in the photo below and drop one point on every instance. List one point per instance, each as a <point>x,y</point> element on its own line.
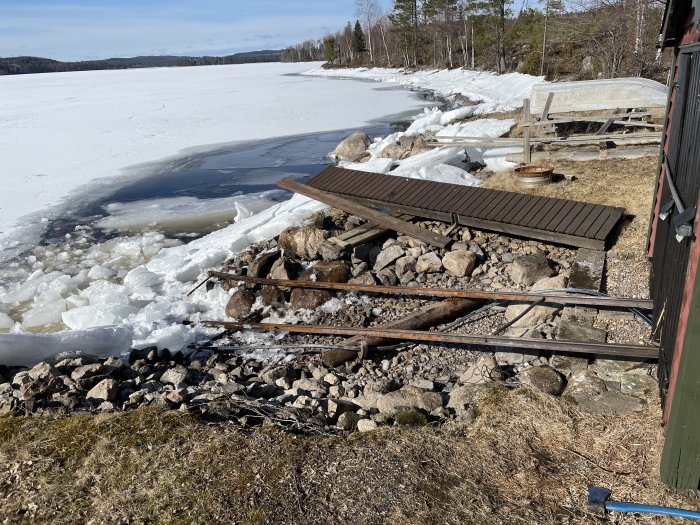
<point>412,384</point>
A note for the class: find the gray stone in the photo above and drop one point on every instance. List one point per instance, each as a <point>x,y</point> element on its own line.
<point>309,385</point>
<point>262,264</point>
<point>324,271</point>
<point>284,268</point>
<point>409,397</point>
<point>348,421</point>
<point>177,376</point>
<point>459,263</point>
<point>336,407</point>
<point>393,151</point>
<point>639,384</point>
<point>366,425</point>
<point>363,278</point>
<point>405,264</point>
<point>512,358</point>
<point>428,263</point>
<point>425,384</point>
<point>240,303</point>
<point>571,331</point>
<point>566,364</point>
<point>302,241</point>
<point>609,402</point>
<point>89,371</point>
<point>483,370</point>
<point>43,371</point>
<point>388,255</point>
<point>387,277</point>
<point>270,375</point>
<point>543,378</point>
<point>105,390</point>
<point>353,147</point>
<point>528,269</point>
<point>587,270</point>
<point>585,383</point>
<point>464,398</point>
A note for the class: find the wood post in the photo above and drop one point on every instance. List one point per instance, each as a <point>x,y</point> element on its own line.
<point>526,130</point>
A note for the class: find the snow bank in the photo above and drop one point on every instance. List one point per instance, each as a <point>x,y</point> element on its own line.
<point>489,91</point>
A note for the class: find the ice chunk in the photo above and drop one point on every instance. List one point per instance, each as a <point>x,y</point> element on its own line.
<point>174,337</point>
<point>374,165</point>
<point>100,272</point>
<point>29,349</point>
<point>457,114</point>
<point>44,314</point>
<point>180,212</point>
<point>105,292</point>
<point>141,278</point>
<point>93,316</point>
<point>6,322</point>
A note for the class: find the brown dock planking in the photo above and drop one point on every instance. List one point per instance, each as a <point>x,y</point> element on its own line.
<point>561,221</point>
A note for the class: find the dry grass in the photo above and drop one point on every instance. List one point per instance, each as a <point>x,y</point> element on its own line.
<point>628,183</point>
<point>527,458</point>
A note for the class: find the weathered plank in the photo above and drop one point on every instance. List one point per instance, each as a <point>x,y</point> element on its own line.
<point>474,293</point>
<point>378,217</point>
<point>628,351</point>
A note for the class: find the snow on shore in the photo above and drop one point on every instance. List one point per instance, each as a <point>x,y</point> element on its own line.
<point>491,92</point>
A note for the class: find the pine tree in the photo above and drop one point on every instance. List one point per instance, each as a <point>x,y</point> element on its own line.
<point>358,40</point>
<point>405,23</point>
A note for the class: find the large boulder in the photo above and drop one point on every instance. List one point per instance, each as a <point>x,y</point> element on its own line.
<point>302,241</point>
<point>405,264</point>
<point>459,263</point>
<point>354,147</point>
<point>429,263</point>
<point>263,263</point>
<point>528,269</point>
<point>394,151</point>
<point>240,303</point>
<point>543,378</point>
<point>105,390</point>
<point>409,397</point>
<point>323,271</point>
<point>387,256</point>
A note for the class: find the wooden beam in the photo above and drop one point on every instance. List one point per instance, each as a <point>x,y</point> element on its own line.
<point>526,131</point>
<point>378,217</point>
<point>636,352</point>
<point>553,298</point>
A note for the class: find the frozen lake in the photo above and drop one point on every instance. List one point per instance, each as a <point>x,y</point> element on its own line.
<point>71,139</point>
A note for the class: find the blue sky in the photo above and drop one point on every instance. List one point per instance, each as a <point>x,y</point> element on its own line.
<point>82,30</point>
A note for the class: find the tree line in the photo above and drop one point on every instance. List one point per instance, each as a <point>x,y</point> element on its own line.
<point>581,39</point>
<point>25,64</point>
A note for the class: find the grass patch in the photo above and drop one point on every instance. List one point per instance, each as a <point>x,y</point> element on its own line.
<point>527,458</point>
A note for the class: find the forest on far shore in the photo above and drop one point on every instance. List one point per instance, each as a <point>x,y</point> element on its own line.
<point>23,65</point>
<point>572,39</point>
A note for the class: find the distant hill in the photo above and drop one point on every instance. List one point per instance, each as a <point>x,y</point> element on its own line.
<point>23,65</point>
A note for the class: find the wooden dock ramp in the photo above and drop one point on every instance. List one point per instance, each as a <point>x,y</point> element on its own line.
<point>561,221</point>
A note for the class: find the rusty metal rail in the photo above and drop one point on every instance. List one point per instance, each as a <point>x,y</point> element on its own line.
<point>558,346</point>
<point>550,298</point>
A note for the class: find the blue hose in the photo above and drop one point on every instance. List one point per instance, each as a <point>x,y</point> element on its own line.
<point>621,506</point>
